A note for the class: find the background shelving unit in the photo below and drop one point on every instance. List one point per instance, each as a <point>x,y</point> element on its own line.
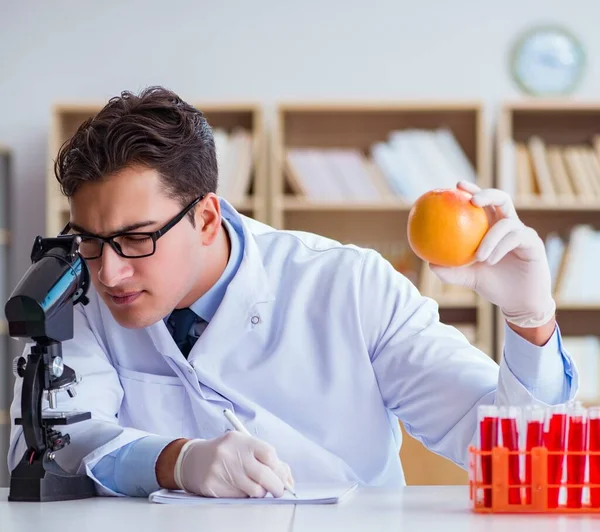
<point>378,220</point>
<point>548,159</point>
<point>238,127</point>
<point>6,379</point>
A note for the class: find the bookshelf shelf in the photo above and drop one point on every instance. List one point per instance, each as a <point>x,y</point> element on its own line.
<point>548,159</point>
<point>578,320</point>
<point>238,127</point>
<point>579,307</point>
<point>299,204</point>
<point>353,198</point>
<point>537,204</point>
<point>458,302</point>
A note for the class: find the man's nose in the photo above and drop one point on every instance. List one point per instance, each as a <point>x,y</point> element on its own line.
<point>113,267</point>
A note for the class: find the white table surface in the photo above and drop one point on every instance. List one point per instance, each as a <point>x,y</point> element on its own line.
<point>415,508</point>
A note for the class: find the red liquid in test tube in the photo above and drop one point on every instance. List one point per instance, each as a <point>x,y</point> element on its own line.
<point>577,441</point>
<point>534,419</point>
<point>488,439</point>
<point>594,445</point>
<point>555,442</point>
<point>509,417</point>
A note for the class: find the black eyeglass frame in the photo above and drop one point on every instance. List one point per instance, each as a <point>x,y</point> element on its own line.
<point>154,235</point>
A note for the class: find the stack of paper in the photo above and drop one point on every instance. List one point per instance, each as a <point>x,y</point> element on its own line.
<point>328,493</point>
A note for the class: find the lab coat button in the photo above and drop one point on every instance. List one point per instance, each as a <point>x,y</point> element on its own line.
<point>255,320</point>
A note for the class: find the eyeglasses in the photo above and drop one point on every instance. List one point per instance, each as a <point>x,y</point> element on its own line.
<point>130,245</point>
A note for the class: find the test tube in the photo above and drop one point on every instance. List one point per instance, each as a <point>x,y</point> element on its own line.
<point>594,447</point>
<point>488,439</point>
<point>555,442</point>
<point>509,423</point>
<point>577,441</point>
<point>534,418</point>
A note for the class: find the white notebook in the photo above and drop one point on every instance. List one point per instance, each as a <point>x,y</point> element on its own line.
<point>308,493</point>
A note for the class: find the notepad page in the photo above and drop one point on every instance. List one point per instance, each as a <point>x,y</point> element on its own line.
<point>328,493</point>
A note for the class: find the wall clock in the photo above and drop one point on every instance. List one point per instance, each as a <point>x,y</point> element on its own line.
<point>547,61</point>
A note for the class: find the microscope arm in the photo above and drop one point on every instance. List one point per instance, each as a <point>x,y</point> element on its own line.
<point>31,404</point>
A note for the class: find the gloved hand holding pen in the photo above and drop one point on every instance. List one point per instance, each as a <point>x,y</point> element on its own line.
<point>233,465</point>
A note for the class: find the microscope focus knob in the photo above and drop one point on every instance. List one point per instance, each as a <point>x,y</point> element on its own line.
<point>57,367</point>
<point>19,364</point>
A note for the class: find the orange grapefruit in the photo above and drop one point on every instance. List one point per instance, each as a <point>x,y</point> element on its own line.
<point>445,228</point>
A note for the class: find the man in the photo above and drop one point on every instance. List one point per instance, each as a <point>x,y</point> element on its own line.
<point>319,348</point>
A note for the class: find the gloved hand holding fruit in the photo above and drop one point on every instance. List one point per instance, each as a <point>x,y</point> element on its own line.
<point>474,238</point>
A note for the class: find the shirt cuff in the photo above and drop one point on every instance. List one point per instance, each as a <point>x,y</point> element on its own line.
<point>132,469</point>
<point>545,371</point>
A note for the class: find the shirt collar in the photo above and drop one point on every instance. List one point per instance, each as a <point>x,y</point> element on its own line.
<point>206,306</point>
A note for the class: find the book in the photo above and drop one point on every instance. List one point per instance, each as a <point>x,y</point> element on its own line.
<point>308,493</point>
<point>408,163</point>
<point>552,173</point>
<point>235,153</point>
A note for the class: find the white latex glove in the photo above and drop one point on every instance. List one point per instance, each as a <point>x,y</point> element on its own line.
<point>511,268</point>
<point>233,465</point>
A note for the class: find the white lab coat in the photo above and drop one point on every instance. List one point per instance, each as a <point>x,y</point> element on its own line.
<point>317,347</point>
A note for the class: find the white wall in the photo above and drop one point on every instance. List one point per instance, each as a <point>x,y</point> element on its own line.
<point>263,49</point>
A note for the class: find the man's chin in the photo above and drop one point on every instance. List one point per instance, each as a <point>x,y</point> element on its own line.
<point>128,322</point>
<point>131,317</point>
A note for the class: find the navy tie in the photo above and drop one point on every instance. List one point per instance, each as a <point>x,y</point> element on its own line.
<point>179,323</point>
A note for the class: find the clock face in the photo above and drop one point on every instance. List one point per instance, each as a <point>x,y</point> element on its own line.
<point>548,61</point>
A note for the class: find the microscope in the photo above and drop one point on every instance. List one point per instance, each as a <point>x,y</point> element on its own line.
<point>41,309</point>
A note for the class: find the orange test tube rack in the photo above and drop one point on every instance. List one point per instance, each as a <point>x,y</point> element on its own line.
<point>500,485</point>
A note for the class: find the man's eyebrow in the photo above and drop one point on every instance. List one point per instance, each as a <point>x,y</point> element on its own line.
<point>122,229</point>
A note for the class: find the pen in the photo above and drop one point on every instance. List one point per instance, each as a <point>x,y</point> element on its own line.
<point>237,425</point>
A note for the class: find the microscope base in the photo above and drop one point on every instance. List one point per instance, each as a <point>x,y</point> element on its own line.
<point>35,483</point>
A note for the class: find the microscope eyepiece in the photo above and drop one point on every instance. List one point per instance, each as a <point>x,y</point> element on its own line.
<point>41,306</point>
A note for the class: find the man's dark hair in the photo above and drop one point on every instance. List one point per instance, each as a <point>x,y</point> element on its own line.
<point>155,129</point>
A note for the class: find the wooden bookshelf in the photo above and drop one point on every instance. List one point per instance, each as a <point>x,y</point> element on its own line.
<point>381,223</point>
<point>561,126</point>
<point>66,118</point>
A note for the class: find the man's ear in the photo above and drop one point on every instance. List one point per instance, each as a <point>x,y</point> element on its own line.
<point>208,218</point>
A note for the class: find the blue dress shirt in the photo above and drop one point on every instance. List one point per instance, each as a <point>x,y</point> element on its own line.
<point>131,469</point>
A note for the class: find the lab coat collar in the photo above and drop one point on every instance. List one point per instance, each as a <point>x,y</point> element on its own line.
<point>241,305</point>
<point>251,278</point>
